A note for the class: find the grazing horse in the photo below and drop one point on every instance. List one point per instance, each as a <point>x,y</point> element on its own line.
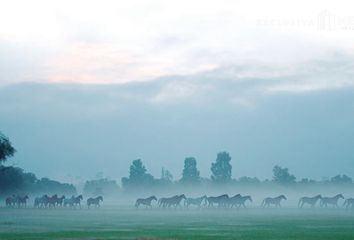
<point>349,203</point>
<point>145,201</point>
<point>220,200</point>
<point>94,201</point>
<point>240,201</point>
<point>195,201</point>
<point>174,201</point>
<point>309,200</point>
<point>273,201</point>
<point>325,201</point>
<point>22,201</point>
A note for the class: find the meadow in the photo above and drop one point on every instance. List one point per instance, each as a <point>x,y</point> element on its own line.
<point>118,222</point>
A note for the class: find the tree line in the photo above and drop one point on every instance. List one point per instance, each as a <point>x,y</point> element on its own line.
<point>221,173</point>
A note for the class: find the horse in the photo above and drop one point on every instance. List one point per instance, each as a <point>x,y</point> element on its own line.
<point>240,201</point>
<point>52,201</point>
<point>220,200</point>
<point>309,200</point>
<point>348,203</point>
<point>94,201</point>
<point>145,201</point>
<point>195,201</point>
<point>60,201</point>
<point>22,201</point>
<point>10,201</point>
<point>325,201</point>
<point>69,201</point>
<point>273,201</point>
<point>174,201</point>
<point>41,201</point>
<point>231,202</point>
<point>77,201</point>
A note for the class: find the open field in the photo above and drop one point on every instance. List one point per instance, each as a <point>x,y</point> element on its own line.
<point>128,223</point>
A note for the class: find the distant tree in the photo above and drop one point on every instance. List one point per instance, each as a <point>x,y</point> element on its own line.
<point>137,176</point>
<point>307,181</point>
<point>48,186</point>
<point>6,149</point>
<point>282,175</point>
<point>341,179</point>
<point>166,175</point>
<point>190,172</point>
<point>102,186</point>
<point>221,169</point>
<point>248,180</point>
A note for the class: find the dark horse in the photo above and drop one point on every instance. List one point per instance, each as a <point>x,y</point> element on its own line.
<point>94,201</point>
<point>145,201</point>
<point>174,201</point>
<point>220,200</point>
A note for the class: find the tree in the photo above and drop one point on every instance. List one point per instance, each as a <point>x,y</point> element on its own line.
<point>166,175</point>
<point>137,176</point>
<point>221,169</point>
<point>6,149</point>
<point>341,179</point>
<point>282,175</point>
<point>190,172</point>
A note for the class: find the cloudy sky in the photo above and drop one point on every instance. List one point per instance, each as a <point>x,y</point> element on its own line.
<point>88,86</point>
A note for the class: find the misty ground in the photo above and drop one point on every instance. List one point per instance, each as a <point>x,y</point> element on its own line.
<point>118,222</point>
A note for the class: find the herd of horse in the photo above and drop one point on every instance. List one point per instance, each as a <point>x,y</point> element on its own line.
<point>53,201</point>
<point>237,201</point>
<point>221,201</point>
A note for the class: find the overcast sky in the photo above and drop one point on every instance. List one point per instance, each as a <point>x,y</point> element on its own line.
<point>269,81</point>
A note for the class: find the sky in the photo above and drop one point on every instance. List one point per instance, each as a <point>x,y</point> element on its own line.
<point>89,86</point>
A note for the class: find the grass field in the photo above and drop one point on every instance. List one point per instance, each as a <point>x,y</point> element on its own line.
<point>128,223</point>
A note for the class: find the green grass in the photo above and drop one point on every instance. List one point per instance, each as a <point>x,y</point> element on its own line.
<point>126,223</point>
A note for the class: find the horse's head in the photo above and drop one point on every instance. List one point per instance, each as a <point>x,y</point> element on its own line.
<point>283,197</point>
<point>319,196</point>
<point>204,197</point>
<point>249,198</point>
<point>182,196</point>
<point>100,198</point>
<point>153,198</point>
<point>80,197</point>
<point>237,195</point>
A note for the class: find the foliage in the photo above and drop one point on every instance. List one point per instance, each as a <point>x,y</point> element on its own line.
<point>341,179</point>
<point>102,186</point>
<point>282,175</point>
<point>221,169</point>
<point>137,176</point>
<point>190,172</point>
<point>166,175</point>
<point>6,149</point>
